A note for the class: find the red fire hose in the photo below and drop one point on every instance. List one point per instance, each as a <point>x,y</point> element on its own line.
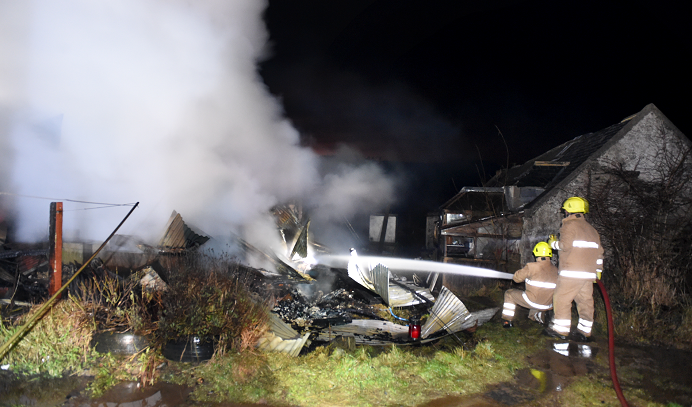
<point>611,345</point>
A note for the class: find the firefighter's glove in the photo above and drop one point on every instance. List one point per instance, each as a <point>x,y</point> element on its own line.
<point>552,242</point>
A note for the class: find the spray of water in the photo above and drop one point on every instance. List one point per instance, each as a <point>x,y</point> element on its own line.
<point>400,264</point>
<point>157,102</point>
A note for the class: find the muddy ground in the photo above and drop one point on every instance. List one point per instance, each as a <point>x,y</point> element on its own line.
<point>658,375</point>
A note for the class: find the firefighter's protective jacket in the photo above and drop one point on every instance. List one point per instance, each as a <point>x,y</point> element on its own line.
<point>540,277</point>
<point>581,252</point>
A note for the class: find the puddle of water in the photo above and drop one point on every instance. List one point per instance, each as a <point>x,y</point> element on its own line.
<point>38,391</point>
<point>664,374</point>
<point>457,401</point>
<point>130,394</point>
<point>575,350</point>
<point>661,373</point>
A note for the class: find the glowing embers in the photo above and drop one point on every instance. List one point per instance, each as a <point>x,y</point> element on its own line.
<point>281,338</point>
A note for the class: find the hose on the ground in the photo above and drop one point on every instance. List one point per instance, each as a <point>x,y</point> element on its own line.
<point>399,318</point>
<point>611,345</point>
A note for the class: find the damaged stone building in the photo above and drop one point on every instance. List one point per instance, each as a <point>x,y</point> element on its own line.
<point>497,225</point>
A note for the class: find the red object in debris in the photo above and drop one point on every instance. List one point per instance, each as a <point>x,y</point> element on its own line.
<point>414,328</point>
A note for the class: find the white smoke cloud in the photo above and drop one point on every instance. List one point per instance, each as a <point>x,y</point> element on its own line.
<point>157,102</point>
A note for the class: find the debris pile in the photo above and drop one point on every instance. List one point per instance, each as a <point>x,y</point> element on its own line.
<point>316,302</point>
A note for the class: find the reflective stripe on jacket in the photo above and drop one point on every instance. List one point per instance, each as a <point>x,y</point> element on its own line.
<point>581,252</point>
<point>540,277</point>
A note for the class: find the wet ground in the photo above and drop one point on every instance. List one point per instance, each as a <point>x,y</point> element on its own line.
<point>662,375</point>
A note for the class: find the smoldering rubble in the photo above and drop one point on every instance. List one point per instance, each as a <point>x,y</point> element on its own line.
<point>314,303</point>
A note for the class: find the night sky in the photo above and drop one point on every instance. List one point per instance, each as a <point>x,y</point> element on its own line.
<point>439,84</point>
<point>448,92</point>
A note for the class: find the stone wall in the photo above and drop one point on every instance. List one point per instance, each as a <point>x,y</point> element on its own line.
<point>639,150</point>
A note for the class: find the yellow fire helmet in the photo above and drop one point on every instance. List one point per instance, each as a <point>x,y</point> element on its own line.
<point>576,204</point>
<point>542,249</point>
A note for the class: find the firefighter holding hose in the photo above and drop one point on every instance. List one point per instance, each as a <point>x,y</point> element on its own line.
<point>580,264</point>
<point>540,278</point>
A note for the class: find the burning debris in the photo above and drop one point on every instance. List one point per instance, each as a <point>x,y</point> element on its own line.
<point>341,313</point>
<point>24,272</point>
<point>322,303</point>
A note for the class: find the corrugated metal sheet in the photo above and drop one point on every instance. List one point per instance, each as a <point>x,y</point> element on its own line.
<point>450,314</point>
<point>360,274</point>
<point>379,280</point>
<point>372,332</point>
<point>287,217</point>
<point>280,328</point>
<point>405,293</point>
<point>281,338</point>
<point>447,313</point>
<point>301,244</point>
<point>367,331</point>
<point>273,343</point>
<point>180,236</point>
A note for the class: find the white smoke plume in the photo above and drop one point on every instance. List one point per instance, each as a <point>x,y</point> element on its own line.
<point>157,102</point>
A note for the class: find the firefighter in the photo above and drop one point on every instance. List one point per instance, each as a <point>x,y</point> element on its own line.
<point>580,263</point>
<point>540,278</point>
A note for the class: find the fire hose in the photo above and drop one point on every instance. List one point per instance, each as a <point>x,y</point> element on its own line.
<point>611,345</point>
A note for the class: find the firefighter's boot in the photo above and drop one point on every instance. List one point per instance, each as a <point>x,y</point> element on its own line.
<point>580,337</point>
<point>549,332</point>
<point>539,317</point>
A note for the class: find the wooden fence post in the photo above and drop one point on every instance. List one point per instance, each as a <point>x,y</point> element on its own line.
<point>55,249</point>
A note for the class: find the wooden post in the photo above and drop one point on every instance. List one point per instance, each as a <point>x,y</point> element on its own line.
<point>383,232</point>
<point>55,242</point>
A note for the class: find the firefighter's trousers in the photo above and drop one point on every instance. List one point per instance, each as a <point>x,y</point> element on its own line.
<point>514,297</point>
<point>580,291</point>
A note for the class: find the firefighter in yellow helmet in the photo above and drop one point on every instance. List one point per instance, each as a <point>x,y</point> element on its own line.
<point>540,278</point>
<point>580,263</point>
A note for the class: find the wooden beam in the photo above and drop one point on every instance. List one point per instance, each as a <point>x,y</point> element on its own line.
<point>551,163</point>
<point>55,236</point>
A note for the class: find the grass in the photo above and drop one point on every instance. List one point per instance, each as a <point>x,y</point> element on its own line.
<point>209,297</point>
<point>58,343</point>
<point>109,370</point>
<point>367,376</point>
<point>326,376</point>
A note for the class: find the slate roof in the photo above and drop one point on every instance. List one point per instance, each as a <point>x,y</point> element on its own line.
<point>484,201</point>
<point>553,166</point>
<point>558,165</point>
